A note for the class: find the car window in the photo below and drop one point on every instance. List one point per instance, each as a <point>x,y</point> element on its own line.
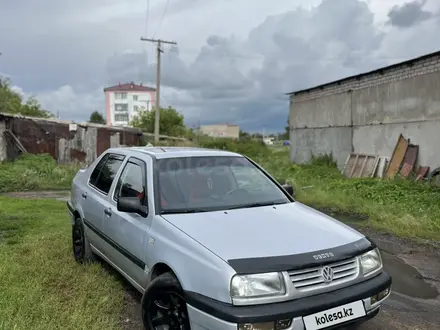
<point>108,172</point>
<point>131,183</point>
<point>250,177</point>
<point>97,170</point>
<point>214,183</point>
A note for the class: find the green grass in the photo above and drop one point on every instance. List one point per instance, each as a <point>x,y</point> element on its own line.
<point>42,287</point>
<point>35,172</point>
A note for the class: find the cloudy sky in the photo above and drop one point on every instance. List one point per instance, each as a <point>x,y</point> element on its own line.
<point>235,59</point>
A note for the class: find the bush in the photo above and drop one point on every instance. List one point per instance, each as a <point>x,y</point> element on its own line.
<point>35,172</point>
<point>250,148</point>
<point>325,159</point>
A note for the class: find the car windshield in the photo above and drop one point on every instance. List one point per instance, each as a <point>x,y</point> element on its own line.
<point>200,184</point>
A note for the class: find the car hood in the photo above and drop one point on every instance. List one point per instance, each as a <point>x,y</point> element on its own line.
<point>268,231</point>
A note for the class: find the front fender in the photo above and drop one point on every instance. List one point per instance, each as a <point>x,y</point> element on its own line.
<point>74,211</point>
<point>197,268</point>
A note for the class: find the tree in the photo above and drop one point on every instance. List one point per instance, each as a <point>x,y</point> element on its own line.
<point>244,135</point>
<point>171,122</point>
<point>97,118</point>
<point>12,102</point>
<point>286,134</point>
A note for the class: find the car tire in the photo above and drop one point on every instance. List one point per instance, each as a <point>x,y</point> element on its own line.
<point>163,302</point>
<point>82,252</point>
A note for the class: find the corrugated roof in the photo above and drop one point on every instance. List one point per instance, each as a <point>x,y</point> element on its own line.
<point>129,87</point>
<point>358,76</point>
<point>67,122</point>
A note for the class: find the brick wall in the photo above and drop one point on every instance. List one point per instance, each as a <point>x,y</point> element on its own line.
<point>387,75</point>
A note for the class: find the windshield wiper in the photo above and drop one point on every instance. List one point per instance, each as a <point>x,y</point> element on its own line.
<point>178,211</point>
<point>246,206</point>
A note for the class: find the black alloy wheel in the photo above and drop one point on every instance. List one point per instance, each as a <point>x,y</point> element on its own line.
<point>163,307</point>
<point>167,312</point>
<point>78,241</point>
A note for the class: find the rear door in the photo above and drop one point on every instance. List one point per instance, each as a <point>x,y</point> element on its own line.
<point>95,195</point>
<point>130,232</point>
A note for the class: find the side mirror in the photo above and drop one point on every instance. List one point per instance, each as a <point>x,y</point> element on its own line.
<point>132,205</point>
<point>289,189</point>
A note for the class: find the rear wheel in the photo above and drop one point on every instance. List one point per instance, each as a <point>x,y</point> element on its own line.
<point>163,305</point>
<point>82,251</point>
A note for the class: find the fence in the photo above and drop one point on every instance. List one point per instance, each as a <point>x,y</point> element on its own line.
<point>66,141</point>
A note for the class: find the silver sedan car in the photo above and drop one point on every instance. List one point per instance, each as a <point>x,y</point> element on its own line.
<point>213,242</point>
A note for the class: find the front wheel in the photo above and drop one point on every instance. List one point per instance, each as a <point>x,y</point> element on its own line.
<point>163,305</point>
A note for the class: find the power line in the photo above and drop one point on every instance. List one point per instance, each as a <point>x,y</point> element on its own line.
<point>147,16</point>
<point>158,43</point>
<point>162,18</point>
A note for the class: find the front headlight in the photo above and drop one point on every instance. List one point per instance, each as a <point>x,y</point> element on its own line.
<point>371,261</point>
<point>257,285</point>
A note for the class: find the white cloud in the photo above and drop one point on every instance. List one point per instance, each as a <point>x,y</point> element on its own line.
<point>71,103</point>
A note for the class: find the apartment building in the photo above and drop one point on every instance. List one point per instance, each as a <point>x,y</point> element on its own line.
<point>124,101</point>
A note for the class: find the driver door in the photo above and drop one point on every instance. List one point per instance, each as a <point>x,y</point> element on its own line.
<point>130,231</point>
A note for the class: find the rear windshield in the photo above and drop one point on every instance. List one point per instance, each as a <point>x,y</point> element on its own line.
<point>198,184</point>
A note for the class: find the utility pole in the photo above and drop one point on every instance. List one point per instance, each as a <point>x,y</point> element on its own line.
<point>158,42</point>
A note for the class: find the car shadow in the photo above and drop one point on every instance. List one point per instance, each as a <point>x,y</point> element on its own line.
<point>131,313</point>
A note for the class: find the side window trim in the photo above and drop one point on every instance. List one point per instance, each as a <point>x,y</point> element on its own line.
<point>106,157</point>
<point>143,166</point>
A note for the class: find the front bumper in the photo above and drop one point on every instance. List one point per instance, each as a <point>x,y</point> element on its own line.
<point>208,314</point>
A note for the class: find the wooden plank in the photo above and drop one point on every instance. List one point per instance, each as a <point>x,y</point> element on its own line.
<point>16,141</point>
<point>381,166</point>
<point>363,166</point>
<point>397,157</point>
<point>376,164</point>
<point>354,166</point>
<point>345,164</point>
<point>409,160</point>
<point>421,173</point>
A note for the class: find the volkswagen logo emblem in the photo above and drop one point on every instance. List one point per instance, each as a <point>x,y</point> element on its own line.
<point>327,274</point>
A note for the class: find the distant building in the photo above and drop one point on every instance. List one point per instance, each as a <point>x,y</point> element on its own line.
<point>268,140</point>
<point>123,101</point>
<point>221,130</point>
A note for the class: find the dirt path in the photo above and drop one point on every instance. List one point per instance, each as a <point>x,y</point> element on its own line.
<point>61,195</point>
<point>415,268</point>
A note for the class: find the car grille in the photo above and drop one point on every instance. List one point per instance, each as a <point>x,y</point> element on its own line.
<point>310,279</point>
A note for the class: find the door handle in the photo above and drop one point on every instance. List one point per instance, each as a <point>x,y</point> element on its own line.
<point>108,212</point>
<point>84,195</point>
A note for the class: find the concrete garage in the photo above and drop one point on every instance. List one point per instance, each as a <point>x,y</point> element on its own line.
<point>366,113</point>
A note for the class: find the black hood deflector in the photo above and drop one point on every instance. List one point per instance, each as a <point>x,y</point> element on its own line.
<point>303,260</point>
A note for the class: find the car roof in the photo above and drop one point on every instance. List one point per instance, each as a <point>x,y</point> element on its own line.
<point>174,152</point>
